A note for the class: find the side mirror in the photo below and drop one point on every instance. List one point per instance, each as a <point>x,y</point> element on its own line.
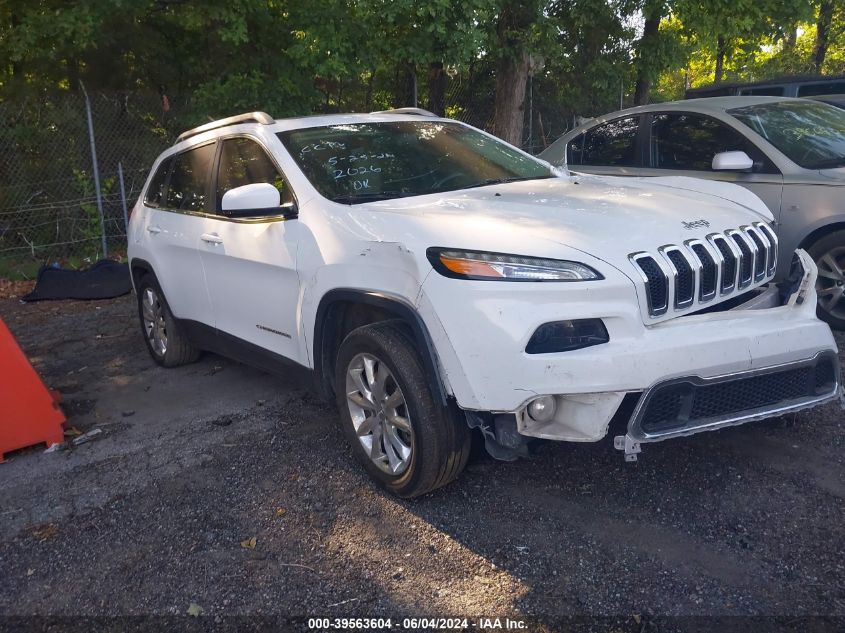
<point>257,199</point>
<point>732,161</point>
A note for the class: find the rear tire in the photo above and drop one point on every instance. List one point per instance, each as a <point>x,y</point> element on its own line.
<point>165,338</point>
<point>829,255</point>
<point>406,440</point>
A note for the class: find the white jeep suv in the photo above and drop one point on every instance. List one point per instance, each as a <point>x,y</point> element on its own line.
<point>432,279</point>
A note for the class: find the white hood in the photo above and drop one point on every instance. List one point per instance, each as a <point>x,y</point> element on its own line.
<point>606,217</point>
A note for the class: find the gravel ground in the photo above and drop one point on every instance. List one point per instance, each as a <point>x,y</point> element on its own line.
<point>157,514</point>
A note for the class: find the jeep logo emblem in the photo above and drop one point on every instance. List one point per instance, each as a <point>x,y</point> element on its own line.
<point>696,224</point>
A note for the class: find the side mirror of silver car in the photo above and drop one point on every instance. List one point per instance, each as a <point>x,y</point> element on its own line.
<point>732,161</point>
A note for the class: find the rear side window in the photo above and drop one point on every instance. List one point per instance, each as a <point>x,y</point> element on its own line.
<point>610,144</point>
<point>765,91</point>
<point>689,141</point>
<point>826,88</point>
<point>156,190</point>
<point>188,188</point>
<point>244,162</point>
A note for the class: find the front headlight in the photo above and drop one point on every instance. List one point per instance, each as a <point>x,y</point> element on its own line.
<point>479,265</point>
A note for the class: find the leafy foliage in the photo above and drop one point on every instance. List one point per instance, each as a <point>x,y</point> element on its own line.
<point>289,57</point>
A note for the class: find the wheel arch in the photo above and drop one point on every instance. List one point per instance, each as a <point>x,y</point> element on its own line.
<point>343,309</point>
<point>137,269</point>
<point>822,231</point>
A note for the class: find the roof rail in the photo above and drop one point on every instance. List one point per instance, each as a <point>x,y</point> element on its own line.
<point>247,117</point>
<point>417,111</point>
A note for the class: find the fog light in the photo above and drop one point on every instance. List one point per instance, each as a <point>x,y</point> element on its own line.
<point>542,409</point>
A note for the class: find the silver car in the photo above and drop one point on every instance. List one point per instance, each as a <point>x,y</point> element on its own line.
<point>790,152</point>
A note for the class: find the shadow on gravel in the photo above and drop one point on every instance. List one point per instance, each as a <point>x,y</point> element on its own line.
<point>152,518</point>
<point>743,521</point>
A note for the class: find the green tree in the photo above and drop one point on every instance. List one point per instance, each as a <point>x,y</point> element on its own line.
<point>830,27</point>
<point>515,27</point>
<point>723,24</point>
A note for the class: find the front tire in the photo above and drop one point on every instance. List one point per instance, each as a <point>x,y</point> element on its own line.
<point>165,338</point>
<point>829,255</point>
<point>405,439</point>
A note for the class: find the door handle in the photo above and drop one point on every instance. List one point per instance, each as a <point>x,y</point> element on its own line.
<point>211,238</point>
<point>154,229</point>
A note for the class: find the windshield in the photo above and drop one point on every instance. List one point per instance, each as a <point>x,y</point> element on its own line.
<point>811,134</point>
<point>362,162</point>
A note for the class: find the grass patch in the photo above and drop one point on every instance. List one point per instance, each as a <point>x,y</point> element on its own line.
<point>26,268</point>
<point>17,270</point>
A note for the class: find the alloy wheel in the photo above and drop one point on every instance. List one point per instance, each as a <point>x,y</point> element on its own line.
<point>379,413</point>
<point>152,315</point>
<point>830,284</point>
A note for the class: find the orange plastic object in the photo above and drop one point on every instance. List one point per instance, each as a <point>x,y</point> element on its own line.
<point>29,412</point>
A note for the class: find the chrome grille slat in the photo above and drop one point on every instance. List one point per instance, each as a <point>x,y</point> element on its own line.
<point>746,259</point>
<point>730,260</point>
<point>767,232</point>
<point>683,276</point>
<point>656,282</point>
<point>709,275</point>
<point>760,252</point>
<point>695,273</point>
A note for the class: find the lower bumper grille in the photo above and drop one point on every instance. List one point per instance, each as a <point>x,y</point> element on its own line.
<point>684,405</point>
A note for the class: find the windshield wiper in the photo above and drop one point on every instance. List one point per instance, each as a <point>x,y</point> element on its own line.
<point>499,181</point>
<point>829,163</point>
<point>368,196</point>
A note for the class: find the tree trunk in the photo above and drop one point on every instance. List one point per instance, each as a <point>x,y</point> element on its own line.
<point>368,96</point>
<point>509,115</point>
<point>720,59</point>
<point>437,88</point>
<point>409,88</point>
<point>822,34</point>
<point>412,85</point>
<point>515,19</point>
<point>645,49</point>
<point>14,21</point>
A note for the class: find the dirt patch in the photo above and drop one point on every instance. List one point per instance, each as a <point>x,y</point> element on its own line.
<point>14,289</point>
<point>149,517</point>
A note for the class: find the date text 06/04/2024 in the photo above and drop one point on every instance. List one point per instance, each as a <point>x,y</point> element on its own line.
<point>417,624</point>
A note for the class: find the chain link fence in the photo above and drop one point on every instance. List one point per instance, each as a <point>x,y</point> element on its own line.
<point>58,204</point>
<point>470,97</point>
<point>50,206</point>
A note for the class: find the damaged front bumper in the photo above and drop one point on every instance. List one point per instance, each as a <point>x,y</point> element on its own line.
<point>763,357</point>
<point>684,406</point>
<point>693,404</point>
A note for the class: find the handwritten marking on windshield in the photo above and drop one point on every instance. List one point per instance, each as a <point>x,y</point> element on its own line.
<point>322,146</point>
<point>355,171</point>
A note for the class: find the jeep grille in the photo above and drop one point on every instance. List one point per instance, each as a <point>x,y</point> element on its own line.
<point>685,275</point>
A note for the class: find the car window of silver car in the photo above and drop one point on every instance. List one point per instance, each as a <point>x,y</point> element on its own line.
<point>612,144</point>
<point>689,141</point>
<point>809,133</point>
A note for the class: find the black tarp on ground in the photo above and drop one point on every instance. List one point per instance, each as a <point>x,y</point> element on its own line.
<point>103,280</point>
